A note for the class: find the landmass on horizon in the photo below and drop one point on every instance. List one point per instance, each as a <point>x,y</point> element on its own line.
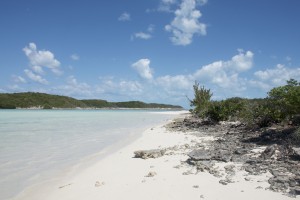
<point>48,101</point>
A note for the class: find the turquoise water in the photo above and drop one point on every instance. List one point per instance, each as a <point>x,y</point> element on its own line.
<point>37,143</point>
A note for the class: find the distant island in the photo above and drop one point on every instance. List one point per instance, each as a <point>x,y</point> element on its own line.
<point>33,100</point>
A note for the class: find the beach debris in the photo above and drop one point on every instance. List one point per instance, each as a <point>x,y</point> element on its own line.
<point>151,174</point>
<point>145,154</point>
<point>247,179</point>
<point>64,186</point>
<point>99,184</point>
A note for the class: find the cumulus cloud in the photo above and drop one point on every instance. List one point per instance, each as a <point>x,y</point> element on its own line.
<point>35,77</point>
<point>219,75</point>
<point>41,58</point>
<point>275,76</point>
<point>226,73</point>
<point>142,66</point>
<point>124,17</point>
<point>186,23</point>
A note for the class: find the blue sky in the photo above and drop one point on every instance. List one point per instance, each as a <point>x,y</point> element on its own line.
<point>148,50</point>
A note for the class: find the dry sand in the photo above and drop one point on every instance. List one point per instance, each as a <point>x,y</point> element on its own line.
<point>121,176</point>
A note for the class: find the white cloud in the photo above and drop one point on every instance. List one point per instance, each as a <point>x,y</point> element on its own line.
<point>41,58</point>
<point>35,77</point>
<point>112,87</point>
<point>276,76</point>
<point>219,75</point>
<point>18,79</point>
<point>165,5</point>
<point>74,57</point>
<point>74,88</point>
<point>202,2</point>
<point>142,35</point>
<point>124,17</point>
<point>130,86</point>
<point>37,69</point>
<point>142,66</point>
<point>242,61</point>
<point>186,23</point>
<point>179,82</point>
<point>225,73</point>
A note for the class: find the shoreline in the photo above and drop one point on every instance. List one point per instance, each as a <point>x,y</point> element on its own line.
<point>119,175</point>
<point>86,162</point>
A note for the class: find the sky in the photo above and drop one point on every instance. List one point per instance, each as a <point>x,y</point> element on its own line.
<point>148,50</point>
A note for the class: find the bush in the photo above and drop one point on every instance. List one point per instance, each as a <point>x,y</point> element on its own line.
<point>284,101</point>
<point>229,109</point>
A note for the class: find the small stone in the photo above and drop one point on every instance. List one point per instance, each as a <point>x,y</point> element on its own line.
<point>201,196</point>
<point>223,182</point>
<point>187,173</point>
<point>145,154</point>
<point>247,179</point>
<point>151,174</point>
<point>99,184</point>
<point>259,187</point>
<point>196,186</point>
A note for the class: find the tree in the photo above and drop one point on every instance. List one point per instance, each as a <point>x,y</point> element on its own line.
<point>201,99</point>
<point>285,100</point>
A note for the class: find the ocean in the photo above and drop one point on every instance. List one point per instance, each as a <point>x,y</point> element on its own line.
<point>36,145</point>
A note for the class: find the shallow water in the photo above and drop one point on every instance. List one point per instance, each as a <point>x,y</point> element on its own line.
<point>37,144</point>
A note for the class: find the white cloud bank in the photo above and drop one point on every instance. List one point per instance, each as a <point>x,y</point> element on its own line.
<point>269,78</point>
<point>186,22</point>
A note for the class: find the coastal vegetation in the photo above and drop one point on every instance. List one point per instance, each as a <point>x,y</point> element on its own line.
<point>47,101</point>
<point>282,105</point>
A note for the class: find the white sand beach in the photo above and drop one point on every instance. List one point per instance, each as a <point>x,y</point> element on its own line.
<point>121,176</point>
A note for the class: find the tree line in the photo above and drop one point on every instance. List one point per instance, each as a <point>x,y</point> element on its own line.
<point>47,101</point>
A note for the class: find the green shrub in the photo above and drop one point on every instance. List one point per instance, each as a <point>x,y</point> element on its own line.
<point>201,100</point>
<point>284,101</point>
